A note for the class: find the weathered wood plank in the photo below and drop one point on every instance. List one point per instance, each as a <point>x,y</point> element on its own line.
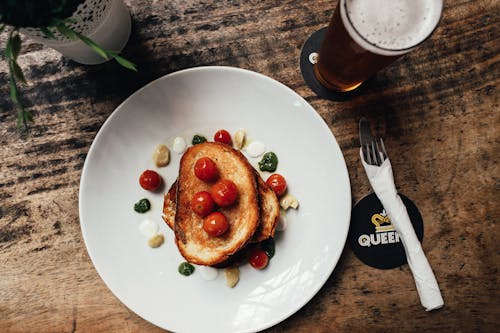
<point>437,109</point>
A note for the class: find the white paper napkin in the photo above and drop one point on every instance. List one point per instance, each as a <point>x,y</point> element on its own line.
<point>382,181</point>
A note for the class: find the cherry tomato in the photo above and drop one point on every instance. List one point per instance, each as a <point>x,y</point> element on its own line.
<point>222,136</point>
<point>206,170</point>
<point>258,259</point>
<point>215,224</point>
<point>224,192</point>
<point>150,180</point>
<point>202,203</point>
<point>277,183</point>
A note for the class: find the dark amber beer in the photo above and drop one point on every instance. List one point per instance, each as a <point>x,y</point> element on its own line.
<point>365,36</point>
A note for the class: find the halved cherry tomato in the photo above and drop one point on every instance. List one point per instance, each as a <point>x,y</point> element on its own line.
<point>150,180</point>
<point>258,259</point>
<point>277,183</point>
<point>215,224</point>
<point>202,203</point>
<point>222,136</point>
<point>206,169</point>
<point>224,192</point>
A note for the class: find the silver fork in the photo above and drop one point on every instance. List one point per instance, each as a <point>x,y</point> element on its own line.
<point>375,155</point>
<point>372,153</point>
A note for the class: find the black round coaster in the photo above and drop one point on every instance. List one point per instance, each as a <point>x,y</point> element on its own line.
<point>372,236</point>
<point>308,56</point>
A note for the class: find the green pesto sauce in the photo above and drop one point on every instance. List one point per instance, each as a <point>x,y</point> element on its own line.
<point>269,162</point>
<point>142,206</point>
<point>186,269</point>
<point>198,139</point>
<point>268,247</point>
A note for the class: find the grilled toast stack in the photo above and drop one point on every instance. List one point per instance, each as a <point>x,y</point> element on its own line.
<point>252,218</point>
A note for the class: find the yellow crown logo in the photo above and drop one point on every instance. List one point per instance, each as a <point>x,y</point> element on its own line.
<point>382,222</point>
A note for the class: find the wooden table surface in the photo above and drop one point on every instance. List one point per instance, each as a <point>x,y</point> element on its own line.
<point>437,107</point>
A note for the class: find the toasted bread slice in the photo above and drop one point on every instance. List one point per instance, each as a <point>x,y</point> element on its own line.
<point>169,203</point>
<point>194,244</point>
<point>269,210</point>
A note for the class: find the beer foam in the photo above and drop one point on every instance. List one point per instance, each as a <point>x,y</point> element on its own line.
<point>390,27</point>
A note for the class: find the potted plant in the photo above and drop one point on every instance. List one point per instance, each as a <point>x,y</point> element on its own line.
<point>87,31</point>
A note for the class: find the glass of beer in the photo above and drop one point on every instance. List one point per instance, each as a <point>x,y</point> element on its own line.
<point>365,36</point>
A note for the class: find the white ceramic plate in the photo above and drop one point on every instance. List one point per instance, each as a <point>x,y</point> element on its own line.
<point>201,101</point>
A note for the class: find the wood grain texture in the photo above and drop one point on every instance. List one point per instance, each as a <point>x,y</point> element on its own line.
<point>437,109</point>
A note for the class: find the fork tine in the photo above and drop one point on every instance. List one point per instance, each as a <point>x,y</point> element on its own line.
<point>383,149</point>
<point>374,154</point>
<point>368,156</point>
<point>380,155</point>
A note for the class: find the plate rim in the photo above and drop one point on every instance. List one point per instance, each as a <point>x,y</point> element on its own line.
<point>334,259</point>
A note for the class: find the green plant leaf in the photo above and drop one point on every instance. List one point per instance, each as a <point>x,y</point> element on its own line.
<point>17,71</point>
<point>16,46</point>
<point>8,47</point>
<point>125,63</point>
<point>13,89</point>
<point>20,118</point>
<point>2,27</point>
<point>69,20</point>
<point>66,32</point>
<point>27,116</point>
<point>55,22</point>
<point>99,50</point>
<point>23,117</point>
<point>47,33</point>
<point>71,34</point>
<point>106,54</point>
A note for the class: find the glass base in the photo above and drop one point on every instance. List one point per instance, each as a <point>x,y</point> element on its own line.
<point>308,57</point>
<point>322,80</point>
